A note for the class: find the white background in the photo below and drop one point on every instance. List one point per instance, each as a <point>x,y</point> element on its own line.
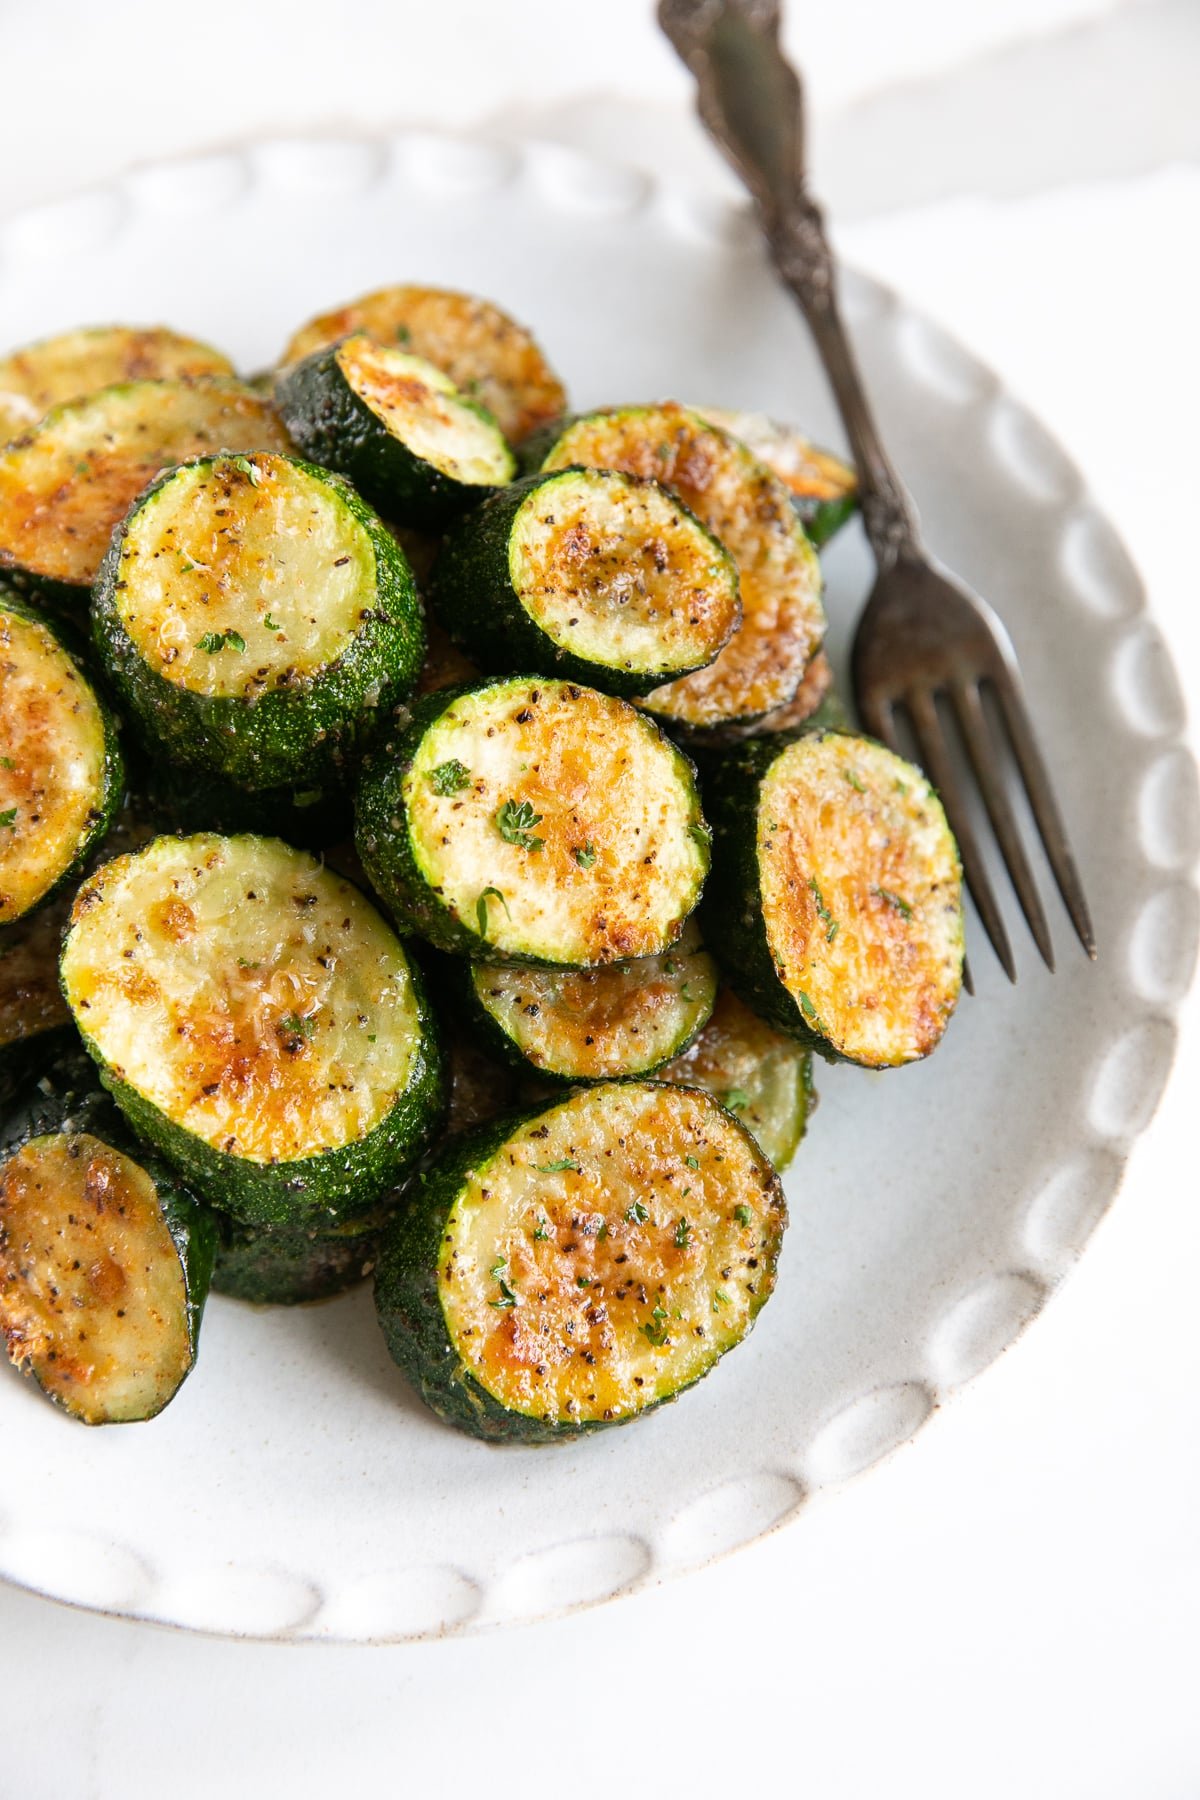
<point>1011,1605</point>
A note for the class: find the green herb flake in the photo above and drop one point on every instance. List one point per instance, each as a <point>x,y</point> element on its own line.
<point>683,1231</point>
<point>235,641</point>
<point>582,1281</point>
<point>556,1168</point>
<point>481,908</point>
<point>636,1214</point>
<point>720,1298</point>
<point>692,1162</point>
<point>585,854</point>
<point>894,901</point>
<point>736,1099</point>
<point>670,967</point>
<point>272,624</point>
<point>188,567</point>
<point>82,468</point>
<point>823,913</point>
<point>540,1233</point>
<point>743,1215</point>
<point>507,1298</point>
<point>8,819</point>
<point>700,834</point>
<point>450,777</point>
<point>296,1025</point>
<point>852,777</point>
<point>6,762</point>
<point>808,1009</point>
<point>248,469</point>
<point>655,1330</point>
<point>602,1231</point>
<point>212,641</point>
<point>243,964</point>
<point>403,335</point>
<point>515,822</point>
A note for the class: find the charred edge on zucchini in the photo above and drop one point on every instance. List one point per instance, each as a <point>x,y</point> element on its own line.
<point>257,618</point>
<point>534,821</point>
<point>816,703</point>
<point>77,363</point>
<point>398,428</point>
<point>589,574</point>
<point>754,1071</point>
<point>256,1019</point>
<point>577,1269</point>
<point>824,489</point>
<point>836,899</point>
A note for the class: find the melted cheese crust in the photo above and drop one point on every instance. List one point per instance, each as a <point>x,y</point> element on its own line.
<point>751,512</point>
<point>226,546</point>
<point>808,472</point>
<point>861,896</point>
<point>614,570</point>
<point>487,355</point>
<point>76,363</point>
<point>599,1023</point>
<point>92,1294</point>
<point>251,995</point>
<point>589,1269</point>
<point>52,762</point>
<point>602,783</point>
<point>73,478</point>
<point>421,406</point>
<point>755,1071</point>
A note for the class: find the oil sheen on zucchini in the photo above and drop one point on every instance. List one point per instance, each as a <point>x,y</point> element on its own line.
<point>417,448</point>
<point>579,1268</point>
<point>61,773</point>
<point>256,618</point>
<point>824,489</point>
<point>836,900</point>
<point>71,479</point>
<point>589,574</point>
<point>255,1018</point>
<point>534,821</point>
<point>597,1024</point>
<point>76,363</point>
<point>486,354</point>
<point>105,1258</point>
<point>750,511</point>
<point>754,1071</point>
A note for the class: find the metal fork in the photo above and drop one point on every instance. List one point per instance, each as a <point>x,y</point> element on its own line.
<point>925,646</point>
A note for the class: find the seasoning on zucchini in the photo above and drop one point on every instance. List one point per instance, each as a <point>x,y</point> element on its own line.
<point>815,702</point>
<point>486,354</point>
<point>755,1072</point>
<point>578,1268</point>
<point>34,1021</point>
<point>61,774</point>
<point>257,1020</point>
<point>76,363</point>
<point>836,898</point>
<point>590,574</point>
<point>534,821</point>
<point>418,449</point>
<point>256,618</point>
<point>824,489</point>
<point>66,483</point>
<point>750,511</point>
<point>596,1024</point>
<point>274,1266</point>
<point>105,1258</point>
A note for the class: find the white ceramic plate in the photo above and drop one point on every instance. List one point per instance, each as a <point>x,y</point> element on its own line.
<point>296,1488</point>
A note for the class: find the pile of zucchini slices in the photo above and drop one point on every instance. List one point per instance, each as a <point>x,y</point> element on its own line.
<point>429,846</point>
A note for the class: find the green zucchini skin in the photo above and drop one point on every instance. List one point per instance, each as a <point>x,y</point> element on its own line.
<point>189,800</point>
<point>473,593</point>
<point>35,1025</point>
<point>273,1267</point>
<point>333,425</point>
<point>68,1100</point>
<point>305,734</point>
<point>761,1075</point>
<point>108,801</point>
<point>823,519</point>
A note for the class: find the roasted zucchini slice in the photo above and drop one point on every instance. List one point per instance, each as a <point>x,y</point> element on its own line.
<point>398,427</point>
<point>836,899</point>
<point>257,1020</point>
<point>61,773</point>
<point>824,489</point>
<point>35,1024</point>
<point>815,702</point>
<point>590,574</point>
<point>256,618</point>
<point>105,1258</point>
<point>580,1025</point>
<point>486,354</point>
<point>534,821</point>
<point>272,1266</point>
<point>579,1268</point>
<point>750,511</point>
<point>754,1071</point>
<point>69,481</point>
<point>77,363</point>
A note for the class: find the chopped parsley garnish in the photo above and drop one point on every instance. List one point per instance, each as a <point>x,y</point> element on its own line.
<point>515,822</point>
<point>683,1232</point>
<point>602,1231</point>
<point>556,1168</point>
<point>855,783</point>
<point>810,1012</point>
<point>582,1281</point>
<point>272,624</point>
<point>720,1298</point>
<point>243,964</point>
<point>8,819</point>
<point>670,967</point>
<point>655,1330</point>
<point>295,1024</point>
<point>823,913</point>
<point>248,469</point>
<point>540,1233</point>
<point>736,1099</point>
<point>636,1214</point>
<point>700,834</point>
<point>403,334</point>
<point>6,762</point>
<point>481,907</point>
<point>507,1297</point>
<point>212,641</point>
<point>82,468</point>
<point>450,777</point>
<point>743,1215</point>
<point>894,901</point>
<point>585,854</point>
<point>692,1162</point>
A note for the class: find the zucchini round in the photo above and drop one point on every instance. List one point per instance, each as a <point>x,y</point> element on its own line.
<point>256,618</point>
<point>69,481</point>
<point>105,1258</point>
<point>77,363</point>
<point>534,821</point>
<point>397,427</point>
<point>754,1071</point>
<point>589,574</point>
<point>578,1268</point>
<point>836,899</point>
<point>750,511</point>
<point>824,489</point>
<point>486,354</point>
<point>61,773</point>
<point>256,1019</point>
<point>34,1021</point>
<point>815,702</point>
<point>270,1266</point>
<point>585,1025</point>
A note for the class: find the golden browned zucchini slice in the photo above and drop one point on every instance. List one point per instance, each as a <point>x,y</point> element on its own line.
<point>76,363</point>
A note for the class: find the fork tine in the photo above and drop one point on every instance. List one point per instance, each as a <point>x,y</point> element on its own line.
<point>935,760</point>
<point>981,747</point>
<point>1044,806</point>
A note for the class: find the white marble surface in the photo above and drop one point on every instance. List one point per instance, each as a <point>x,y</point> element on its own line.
<point>1009,1605</point>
